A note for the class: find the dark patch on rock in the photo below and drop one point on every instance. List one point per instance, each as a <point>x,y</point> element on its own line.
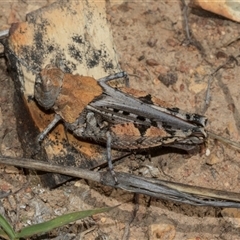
<point>168,79</point>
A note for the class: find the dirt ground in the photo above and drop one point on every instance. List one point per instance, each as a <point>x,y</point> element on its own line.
<point>151,42</point>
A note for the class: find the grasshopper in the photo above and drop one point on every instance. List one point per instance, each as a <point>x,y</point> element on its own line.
<point>120,118</point>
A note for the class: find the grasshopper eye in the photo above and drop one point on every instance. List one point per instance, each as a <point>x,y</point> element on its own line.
<point>49,66</point>
<point>38,80</point>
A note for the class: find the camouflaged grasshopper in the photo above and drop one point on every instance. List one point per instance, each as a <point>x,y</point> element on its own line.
<point>122,118</point>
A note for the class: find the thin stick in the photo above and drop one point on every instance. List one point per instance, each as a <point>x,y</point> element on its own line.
<point>44,166</point>
<point>224,140</point>
<point>190,38</point>
<point>185,10</point>
<point>167,190</point>
<point>230,60</point>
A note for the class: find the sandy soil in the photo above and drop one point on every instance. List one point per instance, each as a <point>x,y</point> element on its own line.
<point>151,43</point>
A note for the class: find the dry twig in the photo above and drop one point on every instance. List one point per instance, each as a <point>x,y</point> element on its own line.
<point>230,63</point>
<point>190,38</point>
<point>156,188</point>
<point>224,140</point>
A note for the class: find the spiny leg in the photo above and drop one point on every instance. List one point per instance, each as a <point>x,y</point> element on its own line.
<point>44,133</point>
<point>111,77</point>
<point>109,157</point>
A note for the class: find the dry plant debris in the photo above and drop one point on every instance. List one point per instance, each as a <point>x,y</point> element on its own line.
<point>135,25</point>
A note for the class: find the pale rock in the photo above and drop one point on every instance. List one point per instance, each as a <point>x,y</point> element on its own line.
<point>7,151</point>
<point>231,127</point>
<point>200,70</point>
<point>232,215</point>
<point>11,170</point>
<point>78,183</point>
<point>103,220</point>
<point>197,87</point>
<point>226,8</point>
<point>208,152</point>
<point>163,231</point>
<point>89,27</point>
<point>213,159</point>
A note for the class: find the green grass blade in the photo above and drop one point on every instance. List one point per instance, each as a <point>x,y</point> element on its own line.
<point>58,222</point>
<point>7,228</point>
<point>4,235</point>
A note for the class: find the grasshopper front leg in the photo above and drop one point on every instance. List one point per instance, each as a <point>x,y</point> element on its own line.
<point>44,133</point>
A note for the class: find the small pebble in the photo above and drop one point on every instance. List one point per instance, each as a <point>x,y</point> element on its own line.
<point>213,160</point>
<point>221,54</point>
<point>231,215</point>
<point>168,79</point>
<point>231,107</point>
<point>171,42</point>
<point>208,152</point>
<point>162,231</point>
<point>152,62</point>
<point>141,58</point>
<point>152,42</point>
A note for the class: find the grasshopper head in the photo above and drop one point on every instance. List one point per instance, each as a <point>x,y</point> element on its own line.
<point>48,86</point>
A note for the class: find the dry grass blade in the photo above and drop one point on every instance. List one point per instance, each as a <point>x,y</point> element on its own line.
<point>224,140</point>
<point>193,195</point>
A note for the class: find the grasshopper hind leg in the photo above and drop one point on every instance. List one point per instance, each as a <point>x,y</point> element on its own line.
<point>109,157</point>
